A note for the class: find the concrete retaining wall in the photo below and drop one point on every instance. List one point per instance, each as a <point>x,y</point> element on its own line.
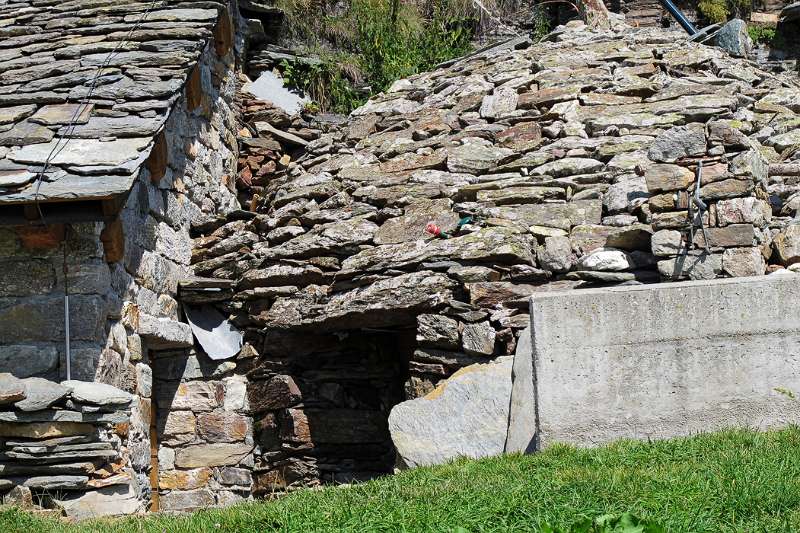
<point>664,360</point>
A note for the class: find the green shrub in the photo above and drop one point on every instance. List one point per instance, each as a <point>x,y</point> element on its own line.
<point>761,34</point>
<point>377,43</point>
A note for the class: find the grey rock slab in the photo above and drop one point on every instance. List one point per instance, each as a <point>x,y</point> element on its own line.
<point>83,152</point>
<point>163,333</point>
<point>97,393</point>
<point>269,88</point>
<point>61,457</point>
<point>62,482</point>
<point>41,394</point>
<point>11,389</point>
<point>521,437</point>
<point>484,245</point>
<point>13,114</point>
<point>63,415</point>
<point>477,157</point>
<point>437,331</point>
<point>569,166</point>
<point>678,142</point>
<point>19,469</point>
<point>26,133</point>
<point>132,126</point>
<point>695,265</point>
<point>15,178</point>
<point>626,195</point>
<point>55,114</point>
<point>110,501</point>
<point>465,416</point>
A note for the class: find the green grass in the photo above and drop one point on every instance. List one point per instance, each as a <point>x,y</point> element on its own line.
<point>731,481</point>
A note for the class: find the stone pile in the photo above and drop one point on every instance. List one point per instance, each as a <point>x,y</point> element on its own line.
<point>63,444</point>
<point>268,141</point>
<point>404,245</point>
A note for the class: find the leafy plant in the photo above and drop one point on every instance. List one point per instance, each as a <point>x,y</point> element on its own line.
<point>609,523</point>
<point>761,34</point>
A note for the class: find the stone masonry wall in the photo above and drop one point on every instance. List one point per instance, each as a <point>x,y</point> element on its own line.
<point>430,218</point>
<point>123,276</point>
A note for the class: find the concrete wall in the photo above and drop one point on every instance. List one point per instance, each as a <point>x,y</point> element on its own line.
<point>665,360</point>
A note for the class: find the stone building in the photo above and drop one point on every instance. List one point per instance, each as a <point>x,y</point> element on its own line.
<point>259,291</point>
<point>117,133</point>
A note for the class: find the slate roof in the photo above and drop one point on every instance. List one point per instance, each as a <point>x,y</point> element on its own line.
<point>50,52</point>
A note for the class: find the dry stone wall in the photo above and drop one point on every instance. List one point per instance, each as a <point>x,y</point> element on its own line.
<point>122,276</point>
<point>419,229</point>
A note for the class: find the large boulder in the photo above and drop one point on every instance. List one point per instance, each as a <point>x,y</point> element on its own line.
<point>465,416</point>
<point>734,39</point>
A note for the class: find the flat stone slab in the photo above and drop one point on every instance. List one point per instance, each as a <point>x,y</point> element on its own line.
<point>467,416</point>
<point>11,389</point>
<point>703,356</point>
<point>83,152</point>
<point>41,394</point>
<point>97,393</point>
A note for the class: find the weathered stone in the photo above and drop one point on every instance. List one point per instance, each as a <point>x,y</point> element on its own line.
<point>110,501</point>
<point>678,142</point>
<point>730,188</point>
<point>437,331</point>
<point>667,242</point>
<point>235,476</point>
<point>63,114</point>
<point>217,454</point>
<point>13,114</point>
<point>82,152</point>
<point>568,166</point>
<point>522,137</point>
<point>485,245</point>
<point>734,39</point>
<point>693,265</point>
<point>742,262</point>
<point>97,393</point>
<point>41,394</point>
<point>626,195</point>
<point>467,415</point>
<point>179,426</point>
<point>476,157</point>
<point>163,333</point>
<point>25,133</point>
<point>183,479</point>
<point>787,244</point>
<point>606,260</point>
<point>743,211</point>
<point>278,392</point>
<point>194,395</point>
<point>19,496</point>
<point>478,339</point>
<point>44,430</point>
<point>222,426</point>
<point>733,235</point>
<point>501,102</point>
<point>11,389</point>
<point>668,178</point>
<point>556,254</point>
<point>411,226</point>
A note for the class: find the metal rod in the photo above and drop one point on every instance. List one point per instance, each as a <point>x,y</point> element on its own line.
<point>67,354</point>
<point>678,15</point>
<point>66,340</point>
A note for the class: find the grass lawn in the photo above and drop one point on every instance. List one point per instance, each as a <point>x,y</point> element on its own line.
<point>732,481</point>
